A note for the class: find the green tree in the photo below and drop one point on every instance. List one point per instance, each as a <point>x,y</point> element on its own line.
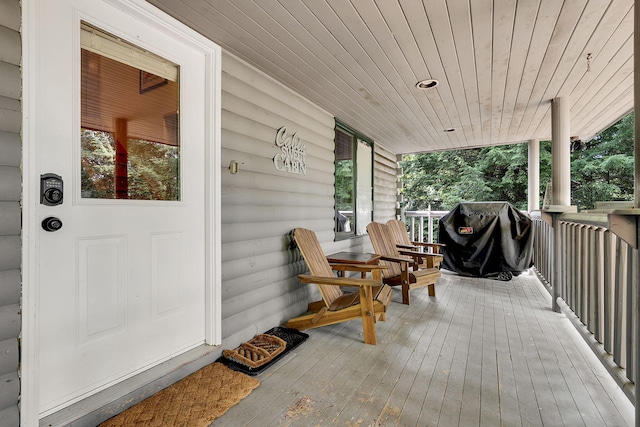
<point>601,169</point>
<point>152,168</point>
<point>98,164</point>
<point>344,185</point>
<point>443,179</point>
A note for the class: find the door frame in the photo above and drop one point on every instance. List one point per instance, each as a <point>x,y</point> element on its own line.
<point>148,13</point>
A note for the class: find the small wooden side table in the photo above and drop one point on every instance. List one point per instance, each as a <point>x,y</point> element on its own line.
<point>354,258</point>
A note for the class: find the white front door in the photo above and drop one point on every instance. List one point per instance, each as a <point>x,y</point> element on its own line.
<point>121,117</point>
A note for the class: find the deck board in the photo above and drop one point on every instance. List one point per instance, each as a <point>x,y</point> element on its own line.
<point>482,353</point>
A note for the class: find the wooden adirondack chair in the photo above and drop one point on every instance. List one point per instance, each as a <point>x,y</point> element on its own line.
<point>368,304</point>
<point>400,236</point>
<point>399,270</point>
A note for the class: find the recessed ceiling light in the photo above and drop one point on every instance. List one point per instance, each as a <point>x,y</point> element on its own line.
<point>450,130</point>
<point>427,84</point>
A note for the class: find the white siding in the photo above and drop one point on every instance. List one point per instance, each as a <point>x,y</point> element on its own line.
<point>261,205</point>
<point>10,216</point>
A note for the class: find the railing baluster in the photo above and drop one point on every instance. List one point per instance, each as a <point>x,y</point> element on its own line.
<point>591,280</point>
<point>587,282</point>
<point>569,248</point>
<point>413,228</point>
<point>579,281</point>
<point>575,269</point>
<point>543,253</point>
<point>607,339</point>
<point>597,283</point>
<point>633,280</point>
<point>549,252</point>
<point>566,260</point>
<point>618,304</point>
<point>629,366</point>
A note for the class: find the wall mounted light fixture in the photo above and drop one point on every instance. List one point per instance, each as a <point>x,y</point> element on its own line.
<point>233,167</point>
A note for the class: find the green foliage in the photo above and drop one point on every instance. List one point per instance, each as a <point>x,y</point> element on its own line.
<point>601,169</point>
<point>98,160</point>
<point>153,168</point>
<point>444,179</point>
<point>344,185</point>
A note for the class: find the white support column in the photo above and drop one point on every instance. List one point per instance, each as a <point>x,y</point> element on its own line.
<point>534,175</point>
<point>560,152</point>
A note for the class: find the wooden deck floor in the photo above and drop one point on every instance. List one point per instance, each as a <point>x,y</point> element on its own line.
<point>483,353</point>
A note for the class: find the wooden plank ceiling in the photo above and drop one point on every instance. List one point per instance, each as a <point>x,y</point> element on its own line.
<point>498,62</point>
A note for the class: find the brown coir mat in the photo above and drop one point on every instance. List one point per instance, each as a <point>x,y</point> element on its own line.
<point>194,401</point>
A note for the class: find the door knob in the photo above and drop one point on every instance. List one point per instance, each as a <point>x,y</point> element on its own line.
<point>51,223</point>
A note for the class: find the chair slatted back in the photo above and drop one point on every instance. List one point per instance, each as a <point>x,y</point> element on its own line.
<point>398,232</point>
<point>317,263</point>
<point>383,244</point>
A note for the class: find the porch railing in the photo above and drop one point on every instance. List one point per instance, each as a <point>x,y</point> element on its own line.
<point>595,281</point>
<point>417,224</point>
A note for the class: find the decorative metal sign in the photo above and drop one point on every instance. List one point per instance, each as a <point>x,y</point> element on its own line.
<point>293,155</point>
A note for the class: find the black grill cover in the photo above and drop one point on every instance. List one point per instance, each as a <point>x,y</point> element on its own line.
<point>485,239</point>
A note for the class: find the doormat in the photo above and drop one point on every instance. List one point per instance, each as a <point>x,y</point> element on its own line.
<point>292,337</point>
<point>258,351</point>
<point>196,400</point>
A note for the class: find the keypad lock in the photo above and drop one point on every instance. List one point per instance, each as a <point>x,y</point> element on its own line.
<point>51,189</point>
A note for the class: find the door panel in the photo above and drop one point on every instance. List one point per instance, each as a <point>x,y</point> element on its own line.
<point>102,288</point>
<point>116,292</point>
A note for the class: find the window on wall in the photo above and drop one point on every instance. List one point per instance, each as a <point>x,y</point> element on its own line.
<point>353,183</point>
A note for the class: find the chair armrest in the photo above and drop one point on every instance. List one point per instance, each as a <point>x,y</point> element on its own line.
<point>396,259</point>
<point>420,254</point>
<point>338,281</point>
<point>413,253</point>
<point>435,246</point>
<point>366,268</point>
<point>400,245</point>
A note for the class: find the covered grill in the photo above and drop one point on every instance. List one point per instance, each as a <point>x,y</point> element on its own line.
<point>486,239</point>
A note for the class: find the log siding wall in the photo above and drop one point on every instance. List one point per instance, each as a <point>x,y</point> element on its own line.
<point>10,213</point>
<point>261,205</point>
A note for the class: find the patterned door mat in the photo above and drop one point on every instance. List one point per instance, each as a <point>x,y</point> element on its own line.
<point>195,401</point>
<point>292,337</point>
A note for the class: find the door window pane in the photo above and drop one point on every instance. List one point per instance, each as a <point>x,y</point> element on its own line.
<point>130,139</point>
